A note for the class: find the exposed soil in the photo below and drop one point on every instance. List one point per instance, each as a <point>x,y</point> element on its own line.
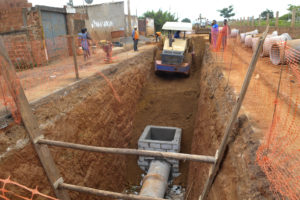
<point>168,100</point>
<point>87,114</point>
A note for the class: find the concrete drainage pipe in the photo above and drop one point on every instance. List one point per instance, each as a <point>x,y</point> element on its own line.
<point>243,35</point>
<point>234,33</point>
<point>155,183</point>
<point>291,54</point>
<point>248,41</point>
<point>272,40</point>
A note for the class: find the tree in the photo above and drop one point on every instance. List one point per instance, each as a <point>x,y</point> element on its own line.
<point>265,13</point>
<point>291,7</point>
<point>160,18</point>
<point>186,20</point>
<point>227,12</point>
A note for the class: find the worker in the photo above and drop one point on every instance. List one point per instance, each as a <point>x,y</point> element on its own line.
<point>214,33</point>
<point>84,37</point>
<point>135,37</point>
<point>177,34</point>
<point>158,36</point>
<point>224,33</point>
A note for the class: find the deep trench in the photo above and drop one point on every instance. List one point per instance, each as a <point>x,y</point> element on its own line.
<point>90,114</point>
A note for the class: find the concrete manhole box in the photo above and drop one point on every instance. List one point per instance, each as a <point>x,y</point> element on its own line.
<point>160,138</point>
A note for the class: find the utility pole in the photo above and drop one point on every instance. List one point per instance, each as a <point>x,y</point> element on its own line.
<point>129,17</point>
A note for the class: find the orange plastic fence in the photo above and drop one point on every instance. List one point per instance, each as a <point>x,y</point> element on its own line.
<point>6,192</point>
<point>273,101</point>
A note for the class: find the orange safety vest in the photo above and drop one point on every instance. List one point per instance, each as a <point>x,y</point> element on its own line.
<point>136,35</point>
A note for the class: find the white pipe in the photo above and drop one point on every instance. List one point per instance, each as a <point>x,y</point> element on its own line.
<point>255,41</point>
<point>243,35</point>
<point>272,40</point>
<point>234,33</point>
<point>248,41</point>
<point>280,56</point>
<point>156,182</point>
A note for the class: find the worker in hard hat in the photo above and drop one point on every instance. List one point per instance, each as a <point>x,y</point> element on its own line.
<point>135,37</point>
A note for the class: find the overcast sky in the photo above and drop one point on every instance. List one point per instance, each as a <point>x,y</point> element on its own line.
<point>192,8</point>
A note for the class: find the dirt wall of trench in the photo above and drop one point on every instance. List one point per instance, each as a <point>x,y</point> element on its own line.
<point>87,113</point>
<point>240,177</point>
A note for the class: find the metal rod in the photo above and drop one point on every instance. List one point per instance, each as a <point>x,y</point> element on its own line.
<point>235,112</point>
<point>178,156</point>
<point>103,193</point>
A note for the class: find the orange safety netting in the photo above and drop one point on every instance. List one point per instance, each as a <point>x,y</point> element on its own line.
<point>272,101</point>
<point>4,192</point>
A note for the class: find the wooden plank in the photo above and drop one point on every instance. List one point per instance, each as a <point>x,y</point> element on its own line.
<point>293,18</point>
<point>75,57</point>
<point>102,193</point>
<point>236,109</point>
<point>30,122</point>
<point>171,155</point>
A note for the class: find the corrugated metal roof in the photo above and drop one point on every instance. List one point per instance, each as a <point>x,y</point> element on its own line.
<point>178,26</point>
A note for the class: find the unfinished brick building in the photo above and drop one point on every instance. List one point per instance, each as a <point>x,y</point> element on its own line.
<point>36,35</point>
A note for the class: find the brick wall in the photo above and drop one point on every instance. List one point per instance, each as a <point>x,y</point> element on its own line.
<point>21,29</point>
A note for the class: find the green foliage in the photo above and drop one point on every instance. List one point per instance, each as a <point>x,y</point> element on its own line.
<point>227,12</point>
<point>265,13</point>
<point>160,18</point>
<point>285,17</point>
<point>186,20</point>
<point>291,7</point>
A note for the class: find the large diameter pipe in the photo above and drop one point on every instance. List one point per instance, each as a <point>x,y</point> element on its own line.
<point>281,53</point>
<point>272,40</point>
<point>248,41</point>
<point>243,35</point>
<point>234,33</point>
<point>155,183</point>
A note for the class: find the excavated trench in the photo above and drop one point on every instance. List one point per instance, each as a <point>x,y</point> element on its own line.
<point>90,113</point>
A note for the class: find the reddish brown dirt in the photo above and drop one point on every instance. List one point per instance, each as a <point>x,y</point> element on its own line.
<point>168,100</point>
<point>240,177</point>
<point>41,81</point>
<point>90,115</point>
<point>64,78</point>
<point>222,76</point>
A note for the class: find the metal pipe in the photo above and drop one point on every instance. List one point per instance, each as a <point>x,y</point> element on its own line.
<point>279,54</point>
<point>178,156</point>
<point>156,182</point>
<point>103,193</point>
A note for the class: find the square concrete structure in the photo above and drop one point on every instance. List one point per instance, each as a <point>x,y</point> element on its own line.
<point>160,138</point>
